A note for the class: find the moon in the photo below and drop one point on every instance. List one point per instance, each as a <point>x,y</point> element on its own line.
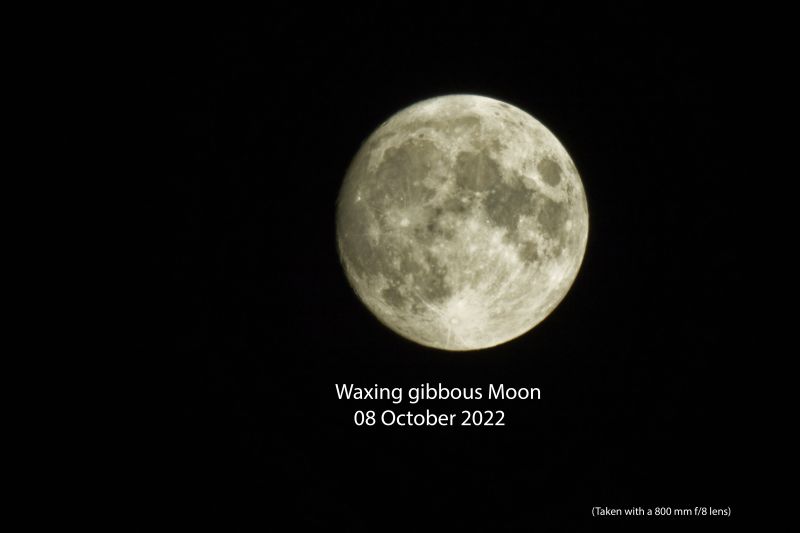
<point>462,222</point>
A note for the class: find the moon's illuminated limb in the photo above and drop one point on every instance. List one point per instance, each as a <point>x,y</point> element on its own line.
<point>462,222</point>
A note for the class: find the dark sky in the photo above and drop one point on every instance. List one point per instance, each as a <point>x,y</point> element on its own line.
<point>250,123</point>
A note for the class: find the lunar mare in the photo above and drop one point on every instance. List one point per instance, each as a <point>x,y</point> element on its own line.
<point>461,222</point>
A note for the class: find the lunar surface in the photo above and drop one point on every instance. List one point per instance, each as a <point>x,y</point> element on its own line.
<point>462,222</point>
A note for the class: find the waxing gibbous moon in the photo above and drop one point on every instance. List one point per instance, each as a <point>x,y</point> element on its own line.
<point>462,222</point>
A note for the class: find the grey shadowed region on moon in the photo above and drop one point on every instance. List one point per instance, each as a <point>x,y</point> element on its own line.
<point>462,222</point>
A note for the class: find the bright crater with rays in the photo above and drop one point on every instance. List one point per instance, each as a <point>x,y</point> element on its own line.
<point>462,222</point>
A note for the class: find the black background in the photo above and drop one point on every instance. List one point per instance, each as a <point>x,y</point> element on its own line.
<point>249,125</point>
